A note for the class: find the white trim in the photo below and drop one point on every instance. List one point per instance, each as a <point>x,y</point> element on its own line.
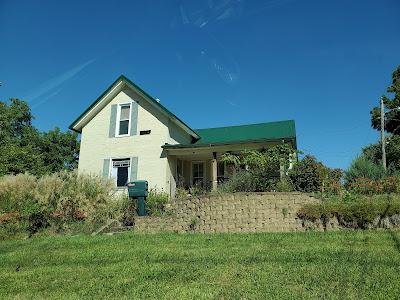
<point>123,83</point>
<point>118,121</point>
<point>97,105</point>
<point>111,169</point>
<point>180,124</point>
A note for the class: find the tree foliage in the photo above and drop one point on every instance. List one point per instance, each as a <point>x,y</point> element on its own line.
<point>23,148</point>
<point>310,175</point>
<point>392,117</point>
<point>364,167</point>
<point>262,166</point>
<point>373,152</point>
<point>265,159</point>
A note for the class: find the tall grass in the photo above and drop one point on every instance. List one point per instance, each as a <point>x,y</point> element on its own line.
<point>56,200</point>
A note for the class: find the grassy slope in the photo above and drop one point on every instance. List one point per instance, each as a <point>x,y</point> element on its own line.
<point>309,265</point>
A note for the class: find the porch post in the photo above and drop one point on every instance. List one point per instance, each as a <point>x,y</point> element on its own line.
<point>214,171</point>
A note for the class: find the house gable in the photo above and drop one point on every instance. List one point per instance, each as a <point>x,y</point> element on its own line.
<point>123,83</point>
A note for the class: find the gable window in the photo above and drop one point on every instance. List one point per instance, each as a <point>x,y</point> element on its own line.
<point>144,132</point>
<point>123,119</point>
<point>121,168</point>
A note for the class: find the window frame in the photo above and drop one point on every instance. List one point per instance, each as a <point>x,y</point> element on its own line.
<point>221,177</point>
<point>111,168</point>
<point>118,119</point>
<point>204,172</point>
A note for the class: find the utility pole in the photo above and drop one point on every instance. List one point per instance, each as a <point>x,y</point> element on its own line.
<point>383,142</point>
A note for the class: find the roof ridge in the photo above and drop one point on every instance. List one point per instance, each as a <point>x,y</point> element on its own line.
<point>231,126</point>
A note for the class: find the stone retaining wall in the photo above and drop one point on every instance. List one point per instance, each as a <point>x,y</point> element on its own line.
<point>239,212</point>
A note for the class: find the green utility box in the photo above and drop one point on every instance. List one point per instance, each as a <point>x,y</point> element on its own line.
<point>139,190</point>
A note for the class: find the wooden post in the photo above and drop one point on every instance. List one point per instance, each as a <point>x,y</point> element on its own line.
<point>214,171</point>
<point>383,145</point>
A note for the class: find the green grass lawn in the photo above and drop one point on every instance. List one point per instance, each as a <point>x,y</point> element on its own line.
<point>204,266</point>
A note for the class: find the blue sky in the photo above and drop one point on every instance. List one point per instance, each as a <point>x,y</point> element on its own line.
<point>213,62</point>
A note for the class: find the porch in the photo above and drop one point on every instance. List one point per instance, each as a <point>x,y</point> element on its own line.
<point>203,171</point>
<point>202,165</point>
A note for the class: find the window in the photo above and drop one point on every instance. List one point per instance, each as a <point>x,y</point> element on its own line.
<point>198,173</point>
<point>144,132</point>
<point>179,172</point>
<point>123,119</point>
<point>120,171</point>
<point>220,172</point>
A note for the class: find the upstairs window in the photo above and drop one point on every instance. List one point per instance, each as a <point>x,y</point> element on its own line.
<point>123,120</point>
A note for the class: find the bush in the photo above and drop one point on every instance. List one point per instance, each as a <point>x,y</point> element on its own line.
<point>366,186</point>
<point>309,175</point>
<point>359,213</point>
<point>391,184</point>
<point>55,200</point>
<point>284,185</point>
<point>127,210</point>
<point>249,181</point>
<point>363,167</point>
<point>181,193</point>
<point>155,202</point>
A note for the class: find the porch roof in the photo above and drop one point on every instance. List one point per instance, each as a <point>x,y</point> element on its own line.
<point>261,132</point>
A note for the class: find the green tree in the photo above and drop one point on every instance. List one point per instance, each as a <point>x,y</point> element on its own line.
<point>19,151</point>
<point>364,167</point>
<point>392,117</point>
<point>310,175</point>
<point>60,150</point>
<point>373,152</point>
<point>24,149</point>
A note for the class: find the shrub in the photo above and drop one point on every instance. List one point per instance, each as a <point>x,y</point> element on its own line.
<point>363,167</point>
<point>263,169</point>
<point>309,175</point>
<point>365,186</point>
<point>391,184</point>
<point>358,213</point>
<point>127,210</point>
<point>155,202</point>
<point>284,185</point>
<point>56,199</point>
<point>249,181</point>
<point>181,193</point>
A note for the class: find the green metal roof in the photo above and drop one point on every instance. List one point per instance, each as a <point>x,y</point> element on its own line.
<point>150,98</point>
<point>242,134</point>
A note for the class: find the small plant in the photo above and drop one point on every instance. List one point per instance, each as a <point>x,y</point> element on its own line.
<point>193,223</point>
<point>181,193</point>
<point>197,190</point>
<point>285,212</point>
<point>155,202</point>
<point>127,210</point>
<point>284,185</point>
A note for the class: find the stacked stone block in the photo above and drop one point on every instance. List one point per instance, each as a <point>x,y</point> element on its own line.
<point>239,212</point>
